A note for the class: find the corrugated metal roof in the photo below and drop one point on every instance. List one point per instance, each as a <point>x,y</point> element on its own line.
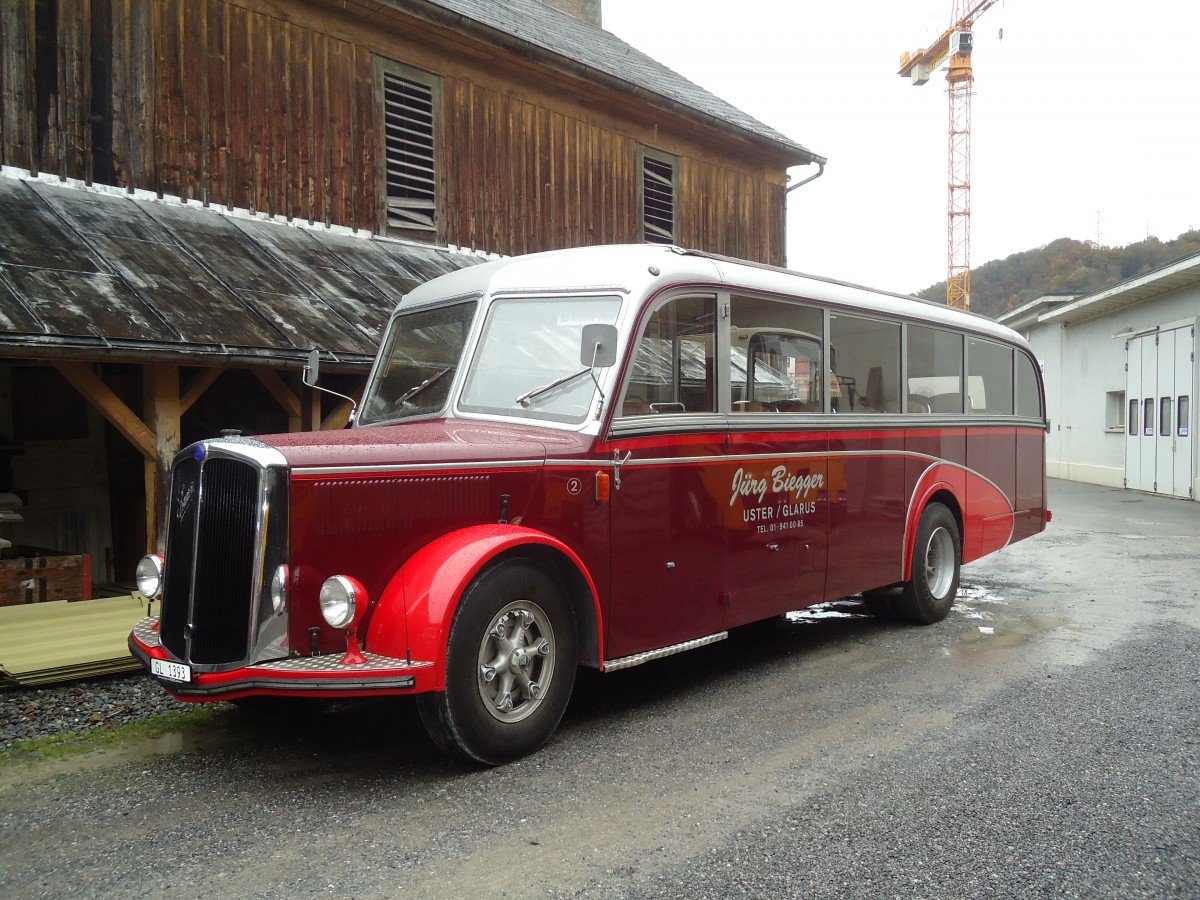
<point>534,25</point>
<point>87,271</point>
<point>1173,276</point>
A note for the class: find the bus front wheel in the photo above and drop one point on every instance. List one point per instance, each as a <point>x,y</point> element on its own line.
<point>937,559</point>
<point>510,667</point>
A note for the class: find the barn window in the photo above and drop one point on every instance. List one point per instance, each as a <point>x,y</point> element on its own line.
<point>409,100</point>
<point>660,223</point>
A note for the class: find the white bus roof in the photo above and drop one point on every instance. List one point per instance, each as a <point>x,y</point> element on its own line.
<point>641,269</point>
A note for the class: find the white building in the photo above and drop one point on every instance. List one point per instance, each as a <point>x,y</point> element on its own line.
<point>1121,378</point>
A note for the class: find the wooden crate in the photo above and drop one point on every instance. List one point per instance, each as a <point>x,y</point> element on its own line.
<point>29,575</point>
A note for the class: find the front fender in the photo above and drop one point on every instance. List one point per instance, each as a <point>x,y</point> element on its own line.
<point>416,608</point>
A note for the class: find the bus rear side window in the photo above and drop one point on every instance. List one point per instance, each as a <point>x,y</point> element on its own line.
<point>990,378</point>
<point>1029,397</point>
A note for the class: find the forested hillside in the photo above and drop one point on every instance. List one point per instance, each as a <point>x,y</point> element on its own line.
<point>1064,266</point>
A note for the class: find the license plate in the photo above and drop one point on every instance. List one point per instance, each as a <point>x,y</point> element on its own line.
<point>172,671</point>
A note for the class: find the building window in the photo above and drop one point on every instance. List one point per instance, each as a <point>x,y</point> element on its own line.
<point>1114,411</point>
<point>409,101</point>
<point>660,188</point>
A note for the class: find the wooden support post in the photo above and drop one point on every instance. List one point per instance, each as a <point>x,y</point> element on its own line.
<point>310,414</point>
<point>161,391</point>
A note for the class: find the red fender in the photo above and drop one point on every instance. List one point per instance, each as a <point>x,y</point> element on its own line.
<point>987,513</point>
<point>416,608</point>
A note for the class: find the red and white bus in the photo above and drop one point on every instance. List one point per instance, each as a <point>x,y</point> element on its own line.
<point>595,457</point>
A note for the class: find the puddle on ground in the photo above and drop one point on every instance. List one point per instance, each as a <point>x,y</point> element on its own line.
<point>850,608</point>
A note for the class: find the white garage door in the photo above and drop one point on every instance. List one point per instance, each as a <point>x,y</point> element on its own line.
<point>1158,439</point>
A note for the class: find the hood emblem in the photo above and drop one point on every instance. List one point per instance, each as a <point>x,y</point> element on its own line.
<point>184,502</point>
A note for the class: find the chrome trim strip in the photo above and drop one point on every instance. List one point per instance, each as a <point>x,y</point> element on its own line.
<point>328,685</point>
<point>418,467</point>
<point>627,662</point>
<point>607,463</point>
<point>262,455</point>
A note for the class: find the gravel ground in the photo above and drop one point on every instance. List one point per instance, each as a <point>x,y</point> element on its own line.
<point>27,714</point>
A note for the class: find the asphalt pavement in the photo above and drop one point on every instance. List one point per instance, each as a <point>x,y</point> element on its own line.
<point>1043,741</point>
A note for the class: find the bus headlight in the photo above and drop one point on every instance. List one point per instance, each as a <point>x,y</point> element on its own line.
<point>340,600</point>
<point>279,589</point>
<point>149,576</point>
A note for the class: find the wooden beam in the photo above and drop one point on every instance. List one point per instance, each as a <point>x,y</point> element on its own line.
<point>283,395</point>
<point>203,382</point>
<point>110,405</point>
<point>338,417</point>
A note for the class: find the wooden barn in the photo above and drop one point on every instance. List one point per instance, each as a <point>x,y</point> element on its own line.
<point>196,193</point>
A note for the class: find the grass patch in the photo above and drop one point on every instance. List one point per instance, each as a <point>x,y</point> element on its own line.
<point>68,743</point>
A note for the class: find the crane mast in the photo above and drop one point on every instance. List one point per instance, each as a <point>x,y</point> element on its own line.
<point>956,43</point>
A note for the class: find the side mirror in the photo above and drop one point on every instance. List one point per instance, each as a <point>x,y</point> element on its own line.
<point>598,346</point>
<point>312,369</point>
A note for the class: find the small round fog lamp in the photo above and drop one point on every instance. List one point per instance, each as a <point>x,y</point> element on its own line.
<point>339,599</point>
<point>149,576</point>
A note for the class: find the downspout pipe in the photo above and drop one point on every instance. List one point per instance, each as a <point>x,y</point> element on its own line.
<point>820,171</point>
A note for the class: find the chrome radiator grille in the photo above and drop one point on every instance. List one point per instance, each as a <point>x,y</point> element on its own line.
<point>220,530</point>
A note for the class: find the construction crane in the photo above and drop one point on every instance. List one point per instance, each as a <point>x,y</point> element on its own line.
<point>955,42</point>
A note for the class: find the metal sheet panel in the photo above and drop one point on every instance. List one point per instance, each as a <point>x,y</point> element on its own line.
<point>83,268</point>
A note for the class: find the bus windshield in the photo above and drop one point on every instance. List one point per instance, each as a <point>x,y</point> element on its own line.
<point>528,363</point>
<point>418,363</point>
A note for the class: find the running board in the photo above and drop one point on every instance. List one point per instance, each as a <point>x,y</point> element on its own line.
<point>628,662</point>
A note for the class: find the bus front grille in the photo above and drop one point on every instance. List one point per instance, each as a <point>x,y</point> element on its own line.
<point>213,579</point>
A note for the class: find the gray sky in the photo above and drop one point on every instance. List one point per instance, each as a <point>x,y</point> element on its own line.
<point>1083,120</point>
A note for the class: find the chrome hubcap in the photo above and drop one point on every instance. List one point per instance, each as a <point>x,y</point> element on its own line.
<point>939,563</point>
<point>516,661</point>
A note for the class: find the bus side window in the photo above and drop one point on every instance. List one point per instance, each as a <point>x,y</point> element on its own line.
<point>865,357</point>
<point>935,370</point>
<point>673,368</point>
<point>775,356</point>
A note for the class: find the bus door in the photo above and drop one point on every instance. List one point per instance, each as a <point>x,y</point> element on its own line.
<point>776,524</point>
<point>667,563</point>
<point>777,488</point>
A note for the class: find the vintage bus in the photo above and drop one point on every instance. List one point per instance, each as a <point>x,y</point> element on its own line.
<point>594,457</point>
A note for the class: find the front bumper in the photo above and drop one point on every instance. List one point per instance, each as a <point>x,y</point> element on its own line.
<point>311,676</point>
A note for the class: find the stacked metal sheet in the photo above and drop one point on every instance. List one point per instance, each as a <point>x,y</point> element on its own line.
<point>41,643</point>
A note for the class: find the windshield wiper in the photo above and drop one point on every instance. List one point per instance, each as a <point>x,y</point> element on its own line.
<point>413,391</point>
<point>524,399</point>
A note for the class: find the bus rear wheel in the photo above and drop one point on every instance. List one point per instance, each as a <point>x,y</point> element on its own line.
<point>510,667</point>
<point>937,561</point>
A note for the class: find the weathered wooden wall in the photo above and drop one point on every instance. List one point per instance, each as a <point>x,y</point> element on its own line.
<point>272,107</point>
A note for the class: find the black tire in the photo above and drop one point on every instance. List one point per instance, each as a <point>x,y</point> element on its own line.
<point>510,667</point>
<point>881,602</point>
<point>936,563</point>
